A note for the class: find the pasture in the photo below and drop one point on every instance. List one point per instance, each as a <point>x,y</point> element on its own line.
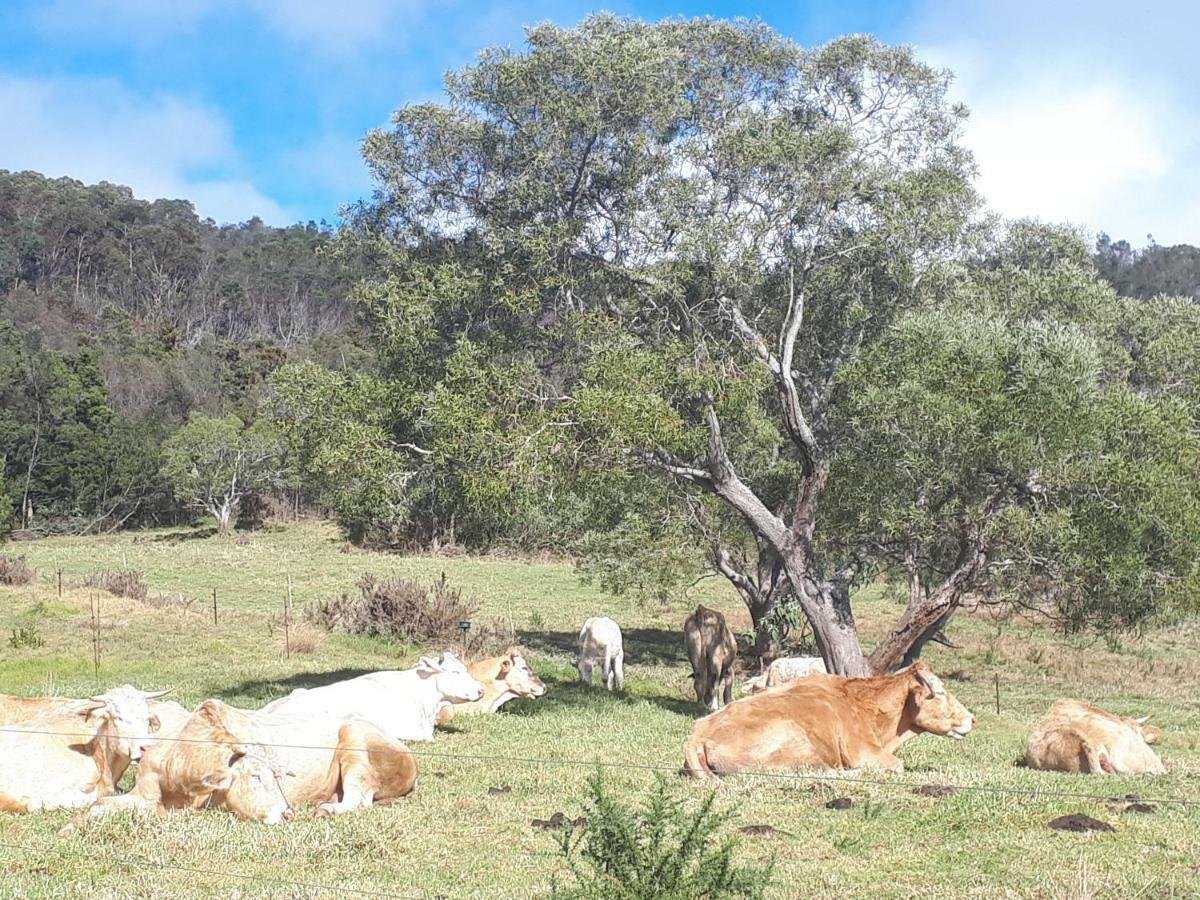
<point>453,838</point>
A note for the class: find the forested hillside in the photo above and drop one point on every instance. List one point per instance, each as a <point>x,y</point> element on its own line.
<point>120,317</point>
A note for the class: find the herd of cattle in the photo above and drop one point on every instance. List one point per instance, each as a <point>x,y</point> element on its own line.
<point>340,747</point>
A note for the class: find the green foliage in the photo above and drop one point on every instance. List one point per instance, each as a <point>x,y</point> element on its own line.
<point>662,850</point>
<point>213,463</point>
<point>26,636</point>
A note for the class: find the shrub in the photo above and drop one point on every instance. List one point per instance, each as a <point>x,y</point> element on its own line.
<point>26,636</point>
<point>301,637</point>
<point>122,583</point>
<point>410,611</point>
<point>14,570</point>
<point>664,850</point>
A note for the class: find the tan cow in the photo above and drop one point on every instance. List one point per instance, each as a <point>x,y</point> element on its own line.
<point>18,709</point>
<point>71,756</point>
<point>261,766</point>
<point>826,722</point>
<point>1082,739</point>
<point>503,678</point>
<point>712,652</point>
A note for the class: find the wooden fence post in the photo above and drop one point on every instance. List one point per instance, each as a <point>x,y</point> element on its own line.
<point>214,606</point>
<point>95,602</point>
<point>60,582</point>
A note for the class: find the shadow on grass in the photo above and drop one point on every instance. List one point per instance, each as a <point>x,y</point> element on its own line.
<point>265,690</point>
<point>568,693</point>
<point>642,645</point>
<point>178,537</point>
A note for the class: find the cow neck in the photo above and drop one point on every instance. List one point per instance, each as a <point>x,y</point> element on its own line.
<point>102,751</point>
<point>889,695</point>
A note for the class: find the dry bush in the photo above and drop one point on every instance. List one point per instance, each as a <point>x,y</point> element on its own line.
<point>122,583</point>
<point>15,571</point>
<point>168,601</point>
<point>412,612</point>
<point>301,636</point>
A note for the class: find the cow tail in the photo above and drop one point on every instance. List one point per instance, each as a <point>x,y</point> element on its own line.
<point>695,759</point>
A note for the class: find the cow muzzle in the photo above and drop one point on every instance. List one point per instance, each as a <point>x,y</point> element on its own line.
<point>962,730</point>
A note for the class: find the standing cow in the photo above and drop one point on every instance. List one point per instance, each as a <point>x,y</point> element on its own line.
<point>712,651</point>
<point>601,647</point>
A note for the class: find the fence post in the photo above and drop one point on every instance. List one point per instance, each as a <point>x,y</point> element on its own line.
<point>214,606</point>
<point>60,582</point>
<point>95,602</point>
<point>997,693</point>
<point>287,635</point>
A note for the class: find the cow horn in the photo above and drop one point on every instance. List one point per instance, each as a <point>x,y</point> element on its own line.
<point>1142,720</point>
<point>151,695</point>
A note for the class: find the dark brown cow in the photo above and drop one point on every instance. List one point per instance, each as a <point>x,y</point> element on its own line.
<point>712,651</point>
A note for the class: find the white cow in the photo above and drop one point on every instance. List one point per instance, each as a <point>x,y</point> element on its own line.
<point>404,704</point>
<point>601,647</point>
<point>784,670</point>
<point>72,756</point>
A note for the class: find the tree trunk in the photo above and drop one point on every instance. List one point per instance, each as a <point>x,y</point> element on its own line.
<point>827,607</point>
<point>223,513</point>
<point>914,652</point>
<point>926,613</point>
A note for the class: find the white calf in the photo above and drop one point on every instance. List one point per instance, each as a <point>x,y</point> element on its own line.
<point>601,647</point>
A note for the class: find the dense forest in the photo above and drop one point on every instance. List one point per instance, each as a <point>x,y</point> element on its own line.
<point>667,337</point>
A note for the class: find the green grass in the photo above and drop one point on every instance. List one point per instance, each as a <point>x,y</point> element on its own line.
<point>451,838</point>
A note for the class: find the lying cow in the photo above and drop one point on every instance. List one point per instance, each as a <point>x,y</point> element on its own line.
<point>1082,739</point>
<point>261,766</point>
<point>404,704</point>
<point>18,709</point>
<point>826,722</point>
<point>600,647</point>
<point>783,671</point>
<point>712,652</point>
<point>70,756</point>
<point>503,678</point>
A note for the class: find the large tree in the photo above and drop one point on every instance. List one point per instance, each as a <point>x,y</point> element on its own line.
<point>673,251</point>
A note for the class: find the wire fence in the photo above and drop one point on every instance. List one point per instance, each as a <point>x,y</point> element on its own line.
<point>835,777</point>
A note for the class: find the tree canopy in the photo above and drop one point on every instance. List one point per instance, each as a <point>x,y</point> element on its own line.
<point>710,291</point>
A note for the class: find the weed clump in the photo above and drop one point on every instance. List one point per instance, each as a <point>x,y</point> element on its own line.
<point>664,849</point>
<point>26,636</point>
<point>410,611</point>
<point>14,571</point>
<point>120,583</point>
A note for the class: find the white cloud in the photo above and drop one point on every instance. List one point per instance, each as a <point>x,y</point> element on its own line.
<point>1077,114</point>
<point>96,130</point>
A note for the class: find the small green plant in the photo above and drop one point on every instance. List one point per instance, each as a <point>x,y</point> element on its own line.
<point>536,622</point>
<point>26,636</point>
<point>665,850</point>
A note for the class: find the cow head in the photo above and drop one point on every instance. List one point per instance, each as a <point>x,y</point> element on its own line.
<point>933,709</point>
<point>124,719</point>
<point>519,678</point>
<point>450,678</point>
<point>248,783</point>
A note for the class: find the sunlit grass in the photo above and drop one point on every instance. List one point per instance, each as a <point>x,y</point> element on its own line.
<point>452,838</point>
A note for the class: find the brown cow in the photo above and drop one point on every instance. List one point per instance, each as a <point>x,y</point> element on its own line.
<point>827,722</point>
<point>261,765</point>
<point>503,678</point>
<point>1082,739</point>
<point>712,652</point>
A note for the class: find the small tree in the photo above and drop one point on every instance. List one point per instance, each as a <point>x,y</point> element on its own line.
<point>212,464</point>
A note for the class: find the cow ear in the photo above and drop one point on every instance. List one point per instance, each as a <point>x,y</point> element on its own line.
<point>218,781</point>
<point>927,678</point>
<point>155,723</point>
<point>505,667</point>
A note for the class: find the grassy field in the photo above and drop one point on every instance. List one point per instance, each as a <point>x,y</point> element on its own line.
<point>452,839</point>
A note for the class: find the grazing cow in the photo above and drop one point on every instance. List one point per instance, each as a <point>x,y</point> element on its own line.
<point>261,766</point>
<point>1082,739</point>
<point>827,722</point>
<point>404,704</point>
<point>601,647</point>
<point>784,670</point>
<point>712,651</point>
<point>72,755</point>
<point>503,678</point>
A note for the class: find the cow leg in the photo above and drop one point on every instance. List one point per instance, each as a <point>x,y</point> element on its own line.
<point>728,693</point>
<point>879,759</point>
<point>70,799</point>
<point>618,671</point>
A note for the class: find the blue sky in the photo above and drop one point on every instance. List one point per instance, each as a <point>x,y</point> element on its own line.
<point>1081,112</point>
